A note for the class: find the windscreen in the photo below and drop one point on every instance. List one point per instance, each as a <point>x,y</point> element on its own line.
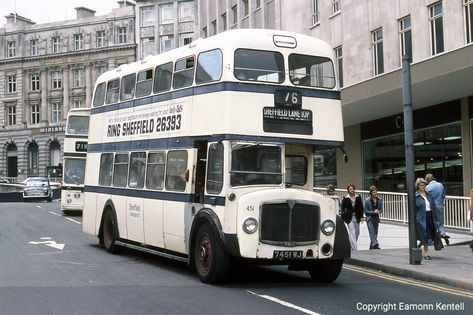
<point>78,125</point>
<point>254,164</point>
<point>74,170</point>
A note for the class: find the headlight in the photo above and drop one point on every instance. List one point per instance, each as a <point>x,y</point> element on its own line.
<point>328,227</point>
<point>250,225</point>
<point>76,195</point>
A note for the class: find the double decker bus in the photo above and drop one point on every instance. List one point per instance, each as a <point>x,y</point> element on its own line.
<point>204,154</point>
<point>75,152</point>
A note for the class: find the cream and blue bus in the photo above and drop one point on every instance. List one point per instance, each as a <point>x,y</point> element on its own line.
<point>75,152</point>
<point>204,154</point>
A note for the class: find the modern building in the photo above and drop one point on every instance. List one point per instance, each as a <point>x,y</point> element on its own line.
<point>162,25</point>
<point>369,38</point>
<point>46,69</point>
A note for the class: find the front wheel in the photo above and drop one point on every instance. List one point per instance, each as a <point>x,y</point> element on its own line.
<point>211,261</point>
<point>326,270</point>
<point>109,232</point>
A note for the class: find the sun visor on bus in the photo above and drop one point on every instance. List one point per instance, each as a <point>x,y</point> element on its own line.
<point>284,41</point>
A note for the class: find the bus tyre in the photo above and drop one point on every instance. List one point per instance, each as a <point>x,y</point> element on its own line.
<point>109,232</point>
<point>326,270</point>
<point>211,262</point>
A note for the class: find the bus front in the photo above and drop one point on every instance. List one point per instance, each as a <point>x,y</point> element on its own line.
<point>75,151</point>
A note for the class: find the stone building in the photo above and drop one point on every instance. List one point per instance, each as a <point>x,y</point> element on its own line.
<point>369,38</point>
<point>162,25</point>
<point>46,69</point>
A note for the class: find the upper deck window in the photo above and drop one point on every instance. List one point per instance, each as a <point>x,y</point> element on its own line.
<point>311,71</point>
<point>113,88</point>
<point>209,66</point>
<point>163,78</point>
<point>78,125</point>
<point>99,94</point>
<point>144,83</point>
<point>259,65</point>
<point>128,87</point>
<point>183,72</point>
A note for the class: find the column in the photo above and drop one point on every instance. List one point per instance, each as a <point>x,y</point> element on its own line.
<point>65,93</point>
<point>88,85</point>
<point>44,95</point>
<point>111,64</point>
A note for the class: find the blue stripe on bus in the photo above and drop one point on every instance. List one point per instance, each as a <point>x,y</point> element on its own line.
<point>77,136</point>
<point>212,88</point>
<point>151,194</point>
<point>188,142</point>
<point>72,154</point>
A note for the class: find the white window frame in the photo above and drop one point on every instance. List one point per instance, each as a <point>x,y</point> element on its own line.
<point>224,22</point>
<point>468,13</point>
<point>405,28</point>
<point>121,33</point>
<point>336,6</point>
<point>186,11</point>
<point>101,39</point>
<point>11,113</point>
<point>166,14</point>
<point>377,40</point>
<point>35,111</point>
<point>315,12</point>
<point>11,83</point>
<point>78,43</point>
<point>185,38</point>
<point>147,15</point>
<point>163,40</point>
<point>339,64</point>
<point>35,81</point>
<point>79,77</point>
<point>56,80</point>
<point>11,49</point>
<point>34,49</point>
<point>246,8</point>
<point>234,10</point>
<point>56,112</point>
<point>433,28</point>
<point>56,44</point>
<point>78,104</point>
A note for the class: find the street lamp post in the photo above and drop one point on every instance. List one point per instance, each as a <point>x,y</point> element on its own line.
<point>415,254</point>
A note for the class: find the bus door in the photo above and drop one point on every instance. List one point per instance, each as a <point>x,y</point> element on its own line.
<point>199,165</point>
<point>134,201</point>
<point>177,205</point>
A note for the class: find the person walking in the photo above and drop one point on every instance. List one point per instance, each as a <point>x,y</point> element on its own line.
<point>352,214</point>
<point>373,207</point>
<point>425,216</point>
<point>437,191</point>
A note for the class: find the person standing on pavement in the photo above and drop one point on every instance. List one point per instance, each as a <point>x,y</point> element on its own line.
<point>352,214</point>
<point>425,216</point>
<point>373,207</point>
<point>437,191</point>
<point>331,193</point>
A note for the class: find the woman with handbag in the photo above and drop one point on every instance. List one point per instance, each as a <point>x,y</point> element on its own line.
<point>425,217</point>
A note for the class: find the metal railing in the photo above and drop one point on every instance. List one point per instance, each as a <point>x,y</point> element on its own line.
<point>456,210</point>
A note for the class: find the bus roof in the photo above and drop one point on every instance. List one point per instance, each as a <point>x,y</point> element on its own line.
<point>263,39</point>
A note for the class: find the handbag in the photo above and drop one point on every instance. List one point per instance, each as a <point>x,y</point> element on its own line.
<point>438,245</point>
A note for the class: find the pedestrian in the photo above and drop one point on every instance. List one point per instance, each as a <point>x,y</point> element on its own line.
<point>331,193</point>
<point>437,191</point>
<point>352,214</point>
<point>425,216</point>
<point>373,207</point>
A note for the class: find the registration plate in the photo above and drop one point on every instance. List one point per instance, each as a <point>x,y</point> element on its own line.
<point>287,254</point>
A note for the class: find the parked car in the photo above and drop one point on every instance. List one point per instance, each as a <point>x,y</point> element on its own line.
<point>37,188</point>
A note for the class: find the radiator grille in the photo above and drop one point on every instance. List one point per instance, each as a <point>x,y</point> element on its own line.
<point>289,223</point>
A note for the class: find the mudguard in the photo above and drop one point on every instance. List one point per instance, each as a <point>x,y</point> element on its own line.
<point>341,248</point>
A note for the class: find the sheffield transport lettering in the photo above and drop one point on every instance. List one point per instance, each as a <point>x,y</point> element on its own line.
<point>162,119</point>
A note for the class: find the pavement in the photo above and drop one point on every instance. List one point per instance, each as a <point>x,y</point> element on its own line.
<point>451,266</point>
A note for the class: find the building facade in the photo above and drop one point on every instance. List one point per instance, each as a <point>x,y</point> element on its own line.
<point>162,25</point>
<point>369,39</point>
<point>46,69</point>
